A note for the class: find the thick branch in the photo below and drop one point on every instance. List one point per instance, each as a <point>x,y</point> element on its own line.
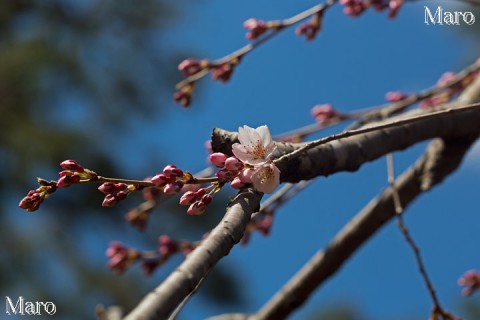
<point>440,159</point>
<point>159,303</point>
<point>349,153</point>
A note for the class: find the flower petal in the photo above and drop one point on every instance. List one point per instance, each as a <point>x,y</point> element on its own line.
<point>266,178</point>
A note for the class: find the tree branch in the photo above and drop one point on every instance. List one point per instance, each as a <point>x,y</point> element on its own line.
<point>159,303</point>
<point>442,157</point>
<point>349,150</point>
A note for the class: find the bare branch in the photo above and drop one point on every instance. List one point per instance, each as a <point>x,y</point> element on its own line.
<point>159,303</point>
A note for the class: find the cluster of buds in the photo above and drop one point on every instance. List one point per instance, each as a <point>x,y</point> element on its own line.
<point>196,200</point>
<point>114,192</point>
<point>121,257</point>
<point>190,67</point>
<point>446,80</point>
<point>171,180</point>
<point>232,169</point>
<point>311,28</point>
<point>73,173</point>
<point>34,198</point>
<point>471,281</point>
<point>325,113</point>
<point>355,8</point>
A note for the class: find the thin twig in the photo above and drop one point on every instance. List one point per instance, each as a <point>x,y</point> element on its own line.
<point>284,24</point>
<point>406,234</point>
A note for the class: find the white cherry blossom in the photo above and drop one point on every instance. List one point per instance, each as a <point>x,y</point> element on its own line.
<point>266,178</point>
<point>256,145</point>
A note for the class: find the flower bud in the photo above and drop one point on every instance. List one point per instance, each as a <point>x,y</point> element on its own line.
<point>233,164</point>
<point>67,180</point>
<point>173,188</point>
<point>218,159</point>
<point>196,208</point>
<point>188,198</point>
<point>71,165</point>
<point>160,180</point>
<point>171,171</point>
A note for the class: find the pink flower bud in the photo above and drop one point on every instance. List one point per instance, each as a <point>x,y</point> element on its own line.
<point>71,165</point>
<point>324,113</point>
<point>224,175</point>
<point>255,27</point>
<point>67,180</point>
<point>110,187</point>
<point>120,257</point>
<point>196,208</point>
<point>201,192</point>
<point>233,164</point>
<point>191,66</point>
<point>109,201</point>
<point>395,96</point>
<point>173,188</point>
<point>184,95</point>
<point>237,183</point>
<point>120,195</point>
<point>171,171</point>
<point>188,198</point>
<point>223,72</point>
<point>167,246</point>
<point>218,159</point>
<point>160,180</point>
<point>206,199</point>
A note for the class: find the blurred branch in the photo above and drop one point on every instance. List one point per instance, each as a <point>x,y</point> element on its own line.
<point>159,303</point>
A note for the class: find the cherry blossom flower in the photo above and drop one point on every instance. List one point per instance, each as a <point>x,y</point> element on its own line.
<point>256,145</point>
<point>266,178</point>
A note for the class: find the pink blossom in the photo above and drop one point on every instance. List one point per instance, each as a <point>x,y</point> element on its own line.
<point>266,178</point>
<point>256,145</point>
